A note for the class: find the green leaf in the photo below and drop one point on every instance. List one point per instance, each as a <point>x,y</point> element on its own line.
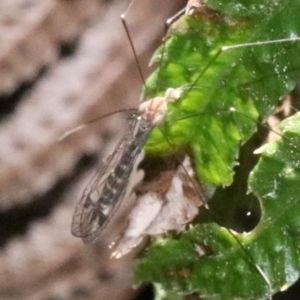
<point>249,79</point>
<point>225,94</point>
<point>276,181</point>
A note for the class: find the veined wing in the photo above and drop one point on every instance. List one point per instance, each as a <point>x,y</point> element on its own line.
<point>89,219</point>
<point>102,196</point>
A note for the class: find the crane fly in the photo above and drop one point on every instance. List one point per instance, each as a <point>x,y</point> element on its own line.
<point>102,196</point>
<point>105,192</point>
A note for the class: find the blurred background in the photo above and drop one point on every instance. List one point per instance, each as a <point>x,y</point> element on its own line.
<point>63,63</point>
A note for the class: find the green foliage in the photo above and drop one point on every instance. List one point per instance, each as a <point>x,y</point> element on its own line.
<point>225,93</point>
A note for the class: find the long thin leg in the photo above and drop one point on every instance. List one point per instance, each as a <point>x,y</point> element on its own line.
<point>123,19</point>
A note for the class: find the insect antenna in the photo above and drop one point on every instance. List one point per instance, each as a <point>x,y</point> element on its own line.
<point>82,126</point>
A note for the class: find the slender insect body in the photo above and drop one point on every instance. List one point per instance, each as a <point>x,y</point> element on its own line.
<point>117,180</point>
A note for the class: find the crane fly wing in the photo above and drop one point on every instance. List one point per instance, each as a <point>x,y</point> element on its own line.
<point>85,219</point>
<point>88,219</point>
